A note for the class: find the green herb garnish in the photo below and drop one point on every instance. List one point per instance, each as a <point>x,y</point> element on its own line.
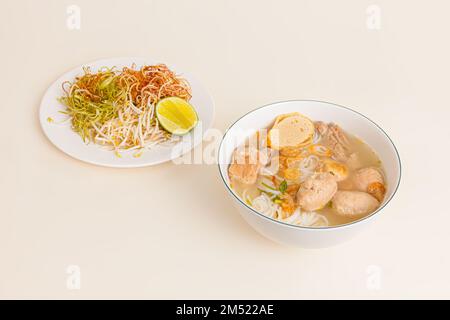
<point>283,186</point>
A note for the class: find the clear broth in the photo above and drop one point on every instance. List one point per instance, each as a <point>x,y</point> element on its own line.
<point>366,157</point>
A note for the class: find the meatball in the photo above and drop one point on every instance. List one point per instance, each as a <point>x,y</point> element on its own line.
<point>370,180</point>
<point>354,203</point>
<point>246,164</point>
<point>316,191</point>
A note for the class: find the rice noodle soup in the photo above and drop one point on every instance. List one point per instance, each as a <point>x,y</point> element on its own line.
<point>307,173</point>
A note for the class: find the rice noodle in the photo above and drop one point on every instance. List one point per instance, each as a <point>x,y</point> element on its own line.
<point>317,137</point>
<point>264,204</point>
<point>307,219</point>
<point>307,167</point>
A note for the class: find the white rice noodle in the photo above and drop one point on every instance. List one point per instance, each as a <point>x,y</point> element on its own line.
<point>316,137</point>
<point>307,219</point>
<point>264,204</point>
<point>309,163</point>
<point>307,167</point>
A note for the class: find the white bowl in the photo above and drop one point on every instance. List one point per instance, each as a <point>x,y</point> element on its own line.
<point>350,121</point>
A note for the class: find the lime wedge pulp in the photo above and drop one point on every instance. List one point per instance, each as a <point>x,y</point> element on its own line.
<point>176,115</point>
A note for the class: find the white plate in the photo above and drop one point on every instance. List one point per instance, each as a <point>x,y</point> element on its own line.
<point>65,139</point>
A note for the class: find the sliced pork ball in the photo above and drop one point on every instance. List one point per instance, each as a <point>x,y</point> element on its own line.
<point>354,203</point>
<point>245,165</point>
<point>316,191</point>
<point>370,180</point>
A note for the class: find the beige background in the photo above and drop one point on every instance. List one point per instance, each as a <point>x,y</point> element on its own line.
<point>170,231</point>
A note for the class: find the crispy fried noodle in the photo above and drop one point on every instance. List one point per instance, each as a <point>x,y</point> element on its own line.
<point>116,108</point>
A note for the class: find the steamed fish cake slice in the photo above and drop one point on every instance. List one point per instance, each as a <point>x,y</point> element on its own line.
<point>291,130</point>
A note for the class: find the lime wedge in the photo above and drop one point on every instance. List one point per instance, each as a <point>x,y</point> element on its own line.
<point>176,115</point>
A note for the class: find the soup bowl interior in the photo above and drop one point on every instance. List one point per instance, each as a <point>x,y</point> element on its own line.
<point>352,122</point>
